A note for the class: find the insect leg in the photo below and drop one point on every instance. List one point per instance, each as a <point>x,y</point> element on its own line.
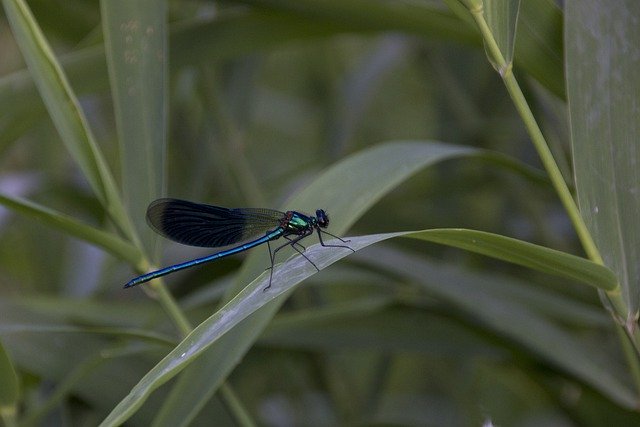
<point>292,243</point>
<point>333,246</point>
<point>304,248</point>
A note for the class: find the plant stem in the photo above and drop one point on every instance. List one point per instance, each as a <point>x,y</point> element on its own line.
<point>235,406</point>
<point>170,305</point>
<point>167,301</point>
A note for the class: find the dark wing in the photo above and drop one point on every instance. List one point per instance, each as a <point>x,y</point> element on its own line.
<point>196,224</point>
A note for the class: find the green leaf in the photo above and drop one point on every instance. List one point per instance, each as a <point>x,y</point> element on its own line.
<point>254,299</point>
<point>502,18</point>
<point>135,35</point>
<point>539,47</point>
<point>526,254</point>
<point>10,390</point>
<point>107,241</point>
<point>603,83</point>
<point>64,109</point>
<point>249,300</point>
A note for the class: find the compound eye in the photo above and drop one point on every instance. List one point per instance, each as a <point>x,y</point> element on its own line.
<point>323,218</point>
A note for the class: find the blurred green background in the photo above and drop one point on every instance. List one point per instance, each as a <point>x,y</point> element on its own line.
<point>254,100</point>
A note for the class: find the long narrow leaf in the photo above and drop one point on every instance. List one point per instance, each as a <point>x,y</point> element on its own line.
<point>502,17</point>
<point>250,299</point>
<point>526,254</point>
<point>603,83</point>
<point>107,241</point>
<point>64,109</point>
<point>539,47</point>
<point>253,298</point>
<point>136,47</point>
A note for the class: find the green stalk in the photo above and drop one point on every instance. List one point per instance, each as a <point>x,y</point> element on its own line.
<point>167,301</point>
<point>506,73</point>
<point>235,406</point>
<point>172,308</point>
<point>170,305</point>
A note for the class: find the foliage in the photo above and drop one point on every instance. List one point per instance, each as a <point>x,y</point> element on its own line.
<point>392,116</point>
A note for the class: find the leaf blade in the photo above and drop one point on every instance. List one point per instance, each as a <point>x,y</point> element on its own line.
<point>525,254</point>
<point>602,66</point>
<point>136,49</point>
<point>64,109</point>
<point>107,241</point>
<point>252,299</point>
<point>502,18</point>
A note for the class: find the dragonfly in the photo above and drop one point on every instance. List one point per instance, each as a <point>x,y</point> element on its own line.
<point>197,224</point>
